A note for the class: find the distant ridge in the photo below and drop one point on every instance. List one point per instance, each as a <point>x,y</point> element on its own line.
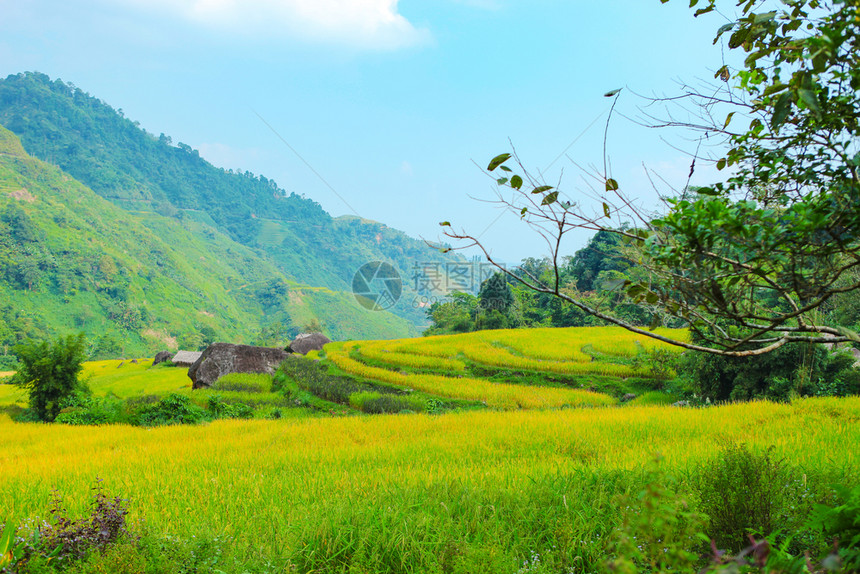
<point>137,283</point>
<point>139,171</point>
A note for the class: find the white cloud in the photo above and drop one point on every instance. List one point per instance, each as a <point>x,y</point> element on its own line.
<point>371,24</point>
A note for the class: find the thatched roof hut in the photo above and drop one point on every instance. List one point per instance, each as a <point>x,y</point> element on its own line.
<point>186,358</point>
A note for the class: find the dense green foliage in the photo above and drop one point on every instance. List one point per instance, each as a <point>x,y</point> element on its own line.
<point>140,282</point>
<point>141,172</point>
<point>796,369</point>
<point>49,371</point>
<point>593,273</point>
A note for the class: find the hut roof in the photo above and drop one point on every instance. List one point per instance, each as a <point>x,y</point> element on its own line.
<point>186,357</point>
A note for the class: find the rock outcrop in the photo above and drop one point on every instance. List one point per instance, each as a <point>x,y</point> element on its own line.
<point>221,359</point>
<point>161,357</point>
<point>307,342</point>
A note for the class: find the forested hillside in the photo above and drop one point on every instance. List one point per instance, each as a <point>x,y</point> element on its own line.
<point>135,282</point>
<point>141,172</point>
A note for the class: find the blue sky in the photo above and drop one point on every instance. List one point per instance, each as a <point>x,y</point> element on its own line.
<point>390,102</point>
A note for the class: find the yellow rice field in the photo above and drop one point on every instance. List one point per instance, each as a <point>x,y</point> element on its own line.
<point>274,484</point>
<point>550,344</point>
<point>498,395</point>
<point>125,378</point>
<point>550,351</point>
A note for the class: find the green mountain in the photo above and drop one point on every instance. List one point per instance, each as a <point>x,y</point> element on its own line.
<point>144,173</point>
<point>137,282</point>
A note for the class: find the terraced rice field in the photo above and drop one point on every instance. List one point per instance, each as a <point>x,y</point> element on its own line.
<point>438,365</point>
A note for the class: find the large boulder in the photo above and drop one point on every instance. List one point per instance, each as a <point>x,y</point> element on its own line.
<point>307,342</point>
<point>856,354</point>
<point>161,357</point>
<point>224,358</point>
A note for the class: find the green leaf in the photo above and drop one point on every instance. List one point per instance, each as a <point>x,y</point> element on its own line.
<point>523,211</point>
<point>445,223</point>
<point>725,28</point>
<point>550,198</point>
<point>655,322</point>
<point>498,160</point>
<point>7,537</point>
<point>809,98</point>
<point>651,298</point>
<point>611,185</point>
<point>721,164</point>
<point>738,38</point>
<point>773,89</point>
<point>606,211</point>
<point>728,120</point>
<point>516,182</point>
<point>764,17</point>
<point>611,93</point>
<point>542,189</point>
<point>635,290</point>
<point>781,110</point>
<point>505,168</point>
<point>502,181</point>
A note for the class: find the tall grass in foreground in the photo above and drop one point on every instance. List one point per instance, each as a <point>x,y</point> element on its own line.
<point>471,492</point>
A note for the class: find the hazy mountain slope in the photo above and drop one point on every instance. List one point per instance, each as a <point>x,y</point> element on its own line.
<point>72,261</point>
<point>134,169</point>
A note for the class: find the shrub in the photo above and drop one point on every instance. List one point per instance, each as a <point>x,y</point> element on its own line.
<point>841,523</point>
<point>794,369</point>
<point>244,383</point>
<point>840,526</point>
<point>659,362</point>
<point>93,411</point>
<point>54,545</point>
<point>742,493</point>
<point>49,370</point>
<point>171,410</point>
<point>376,403</point>
<point>221,409</point>
<point>76,538</point>
<point>315,378</point>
